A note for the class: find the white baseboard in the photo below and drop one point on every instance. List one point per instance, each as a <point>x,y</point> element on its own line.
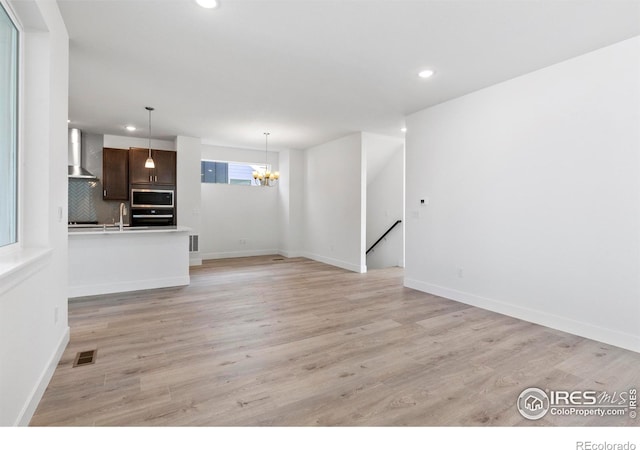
<point>127,286</point>
<point>290,254</point>
<point>239,254</point>
<point>38,391</point>
<point>568,325</point>
<point>195,261</point>
<point>335,262</point>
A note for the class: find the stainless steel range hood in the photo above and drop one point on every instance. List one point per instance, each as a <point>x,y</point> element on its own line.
<point>75,157</point>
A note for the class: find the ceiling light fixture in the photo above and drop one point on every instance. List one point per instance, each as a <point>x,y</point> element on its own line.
<point>264,176</point>
<point>427,73</point>
<point>130,128</point>
<point>209,4</point>
<point>149,164</point>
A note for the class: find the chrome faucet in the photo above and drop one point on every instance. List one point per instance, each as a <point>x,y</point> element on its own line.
<point>123,212</point>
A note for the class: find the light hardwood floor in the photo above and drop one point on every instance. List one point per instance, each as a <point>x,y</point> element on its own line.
<point>272,341</point>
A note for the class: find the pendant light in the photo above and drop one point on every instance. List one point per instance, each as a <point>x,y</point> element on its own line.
<point>149,164</point>
<point>264,177</point>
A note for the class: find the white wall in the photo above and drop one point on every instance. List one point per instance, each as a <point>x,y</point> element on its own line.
<point>335,203</point>
<point>238,220</point>
<point>33,298</point>
<point>114,141</point>
<point>534,197</point>
<point>385,199</point>
<point>290,203</point>
<point>189,195</point>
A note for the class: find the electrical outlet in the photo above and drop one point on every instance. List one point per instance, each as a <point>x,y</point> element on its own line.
<point>55,315</point>
<point>460,272</point>
<point>242,241</point>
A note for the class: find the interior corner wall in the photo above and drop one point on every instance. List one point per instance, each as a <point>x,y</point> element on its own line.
<point>533,189</point>
<point>189,193</point>
<point>236,220</point>
<point>333,210</point>
<point>33,303</point>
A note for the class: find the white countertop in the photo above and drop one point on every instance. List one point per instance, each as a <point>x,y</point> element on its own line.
<point>111,230</point>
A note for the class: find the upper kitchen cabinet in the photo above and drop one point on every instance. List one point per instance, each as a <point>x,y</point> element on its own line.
<point>164,172</point>
<point>115,174</point>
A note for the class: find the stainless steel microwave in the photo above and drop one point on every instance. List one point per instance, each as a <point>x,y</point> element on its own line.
<point>152,198</point>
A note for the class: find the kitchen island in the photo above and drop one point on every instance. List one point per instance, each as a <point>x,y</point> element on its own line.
<point>105,260</point>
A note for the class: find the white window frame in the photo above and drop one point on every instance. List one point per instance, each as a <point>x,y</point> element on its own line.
<point>18,245</point>
<point>268,166</point>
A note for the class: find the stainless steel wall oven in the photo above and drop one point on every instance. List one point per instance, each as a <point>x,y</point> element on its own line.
<point>152,207</point>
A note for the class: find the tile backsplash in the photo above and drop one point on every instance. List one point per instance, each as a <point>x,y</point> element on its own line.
<point>85,196</point>
<point>82,206</point>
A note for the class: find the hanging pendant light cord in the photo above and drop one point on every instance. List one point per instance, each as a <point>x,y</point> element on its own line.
<point>266,151</point>
<point>149,108</point>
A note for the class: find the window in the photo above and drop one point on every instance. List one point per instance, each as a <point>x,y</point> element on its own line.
<point>8,130</point>
<point>214,172</point>
<point>223,172</point>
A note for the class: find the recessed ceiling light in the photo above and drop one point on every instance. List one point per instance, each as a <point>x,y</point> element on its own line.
<point>428,73</point>
<point>404,130</point>
<point>209,4</point>
<point>68,120</point>
<point>130,128</point>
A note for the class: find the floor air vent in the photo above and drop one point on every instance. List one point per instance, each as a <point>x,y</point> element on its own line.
<point>85,358</point>
<point>277,259</point>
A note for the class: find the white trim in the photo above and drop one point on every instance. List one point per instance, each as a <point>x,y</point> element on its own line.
<point>20,265</point>
<point>127,286</point>
<point>336,262</point>
<point>240,254</point>
<point>565,324</point>
<point>38,391</point>
<point>290,254</point>
<point>195,261</point>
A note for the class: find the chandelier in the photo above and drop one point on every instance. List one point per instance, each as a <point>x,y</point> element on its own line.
<point>264,176</point>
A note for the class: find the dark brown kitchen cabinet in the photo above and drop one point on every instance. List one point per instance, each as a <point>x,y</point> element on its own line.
<point>164,172</point>
<point>115,174</point>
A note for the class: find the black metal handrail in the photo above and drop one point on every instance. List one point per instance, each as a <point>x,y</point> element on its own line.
<point>382,237</point>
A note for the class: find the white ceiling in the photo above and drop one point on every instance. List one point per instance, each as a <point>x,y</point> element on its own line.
<point>309,71</point>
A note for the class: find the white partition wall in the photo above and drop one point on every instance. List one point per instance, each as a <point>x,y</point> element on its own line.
<point>189,201</point>
<point>335,203</point>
